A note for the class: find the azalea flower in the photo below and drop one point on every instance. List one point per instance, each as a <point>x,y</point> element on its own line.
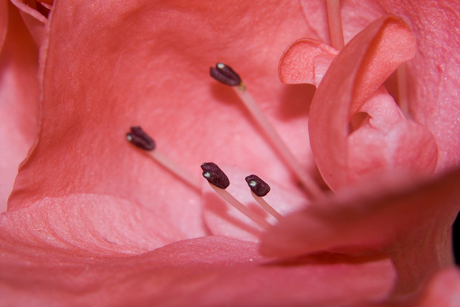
<point>93,220</point>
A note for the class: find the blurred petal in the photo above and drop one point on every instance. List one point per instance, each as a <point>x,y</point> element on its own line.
<point>386,215</point>
<point>3,21</point>
<point>443,290</point>
<point>34,21</point>
<point>18,99</point>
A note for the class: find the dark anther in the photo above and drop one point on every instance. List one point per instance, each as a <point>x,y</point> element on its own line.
<point>257,185</point>
<point>215,175</point>
<point>141,139</point>
<point>225,74</point>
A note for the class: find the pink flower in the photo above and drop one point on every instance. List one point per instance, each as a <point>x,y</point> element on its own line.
<point>92,221</point>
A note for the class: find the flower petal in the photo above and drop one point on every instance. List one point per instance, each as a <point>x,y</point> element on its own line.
<point>83,222</point>
<point>433,79</point>
<point>355,75</point>
<point>18,99</point>
<point>305,61</point>
<point>432,76</point>
<point>384,215</point>
<point>442,290</point>
<point>378,211</point>
<point>3,21</point>
<point>209,271</point>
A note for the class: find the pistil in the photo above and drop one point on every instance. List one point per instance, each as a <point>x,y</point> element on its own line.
<point>225,72</point>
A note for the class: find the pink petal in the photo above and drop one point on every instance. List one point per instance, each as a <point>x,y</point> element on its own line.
<point>387,215</point>
<point>305,61</point>
<point>209,271</point>
<point>433,74</point>
<point>3,21</point>
<point>354,75</point>
<point>443,290</point>
<point>372,152</point>
<point>18,99</point>
<point>433,77</point>
<point>101,224</point>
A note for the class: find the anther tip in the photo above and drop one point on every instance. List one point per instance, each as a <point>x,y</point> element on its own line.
<point>225,74</point>
<point>257,185</point>
<point>140,139</point>
<point>214,175</point>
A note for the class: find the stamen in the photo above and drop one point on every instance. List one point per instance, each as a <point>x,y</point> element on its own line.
<point>257,185</point>
<point>276,141</point>
<point>214,174</point>
<point>138,137</point>
<point>334,15</point>
<point>259,189</point>
<point>142,140</point>
<point>225,74</point>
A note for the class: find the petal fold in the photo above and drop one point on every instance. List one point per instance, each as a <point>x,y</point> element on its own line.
<point>305,61</point>
<point>34,20</point>
<point>86,223</point>
<point>351,81</point>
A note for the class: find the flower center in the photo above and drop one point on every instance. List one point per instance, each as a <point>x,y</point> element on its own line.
<point>217,179</point>
<point>215,176</point>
